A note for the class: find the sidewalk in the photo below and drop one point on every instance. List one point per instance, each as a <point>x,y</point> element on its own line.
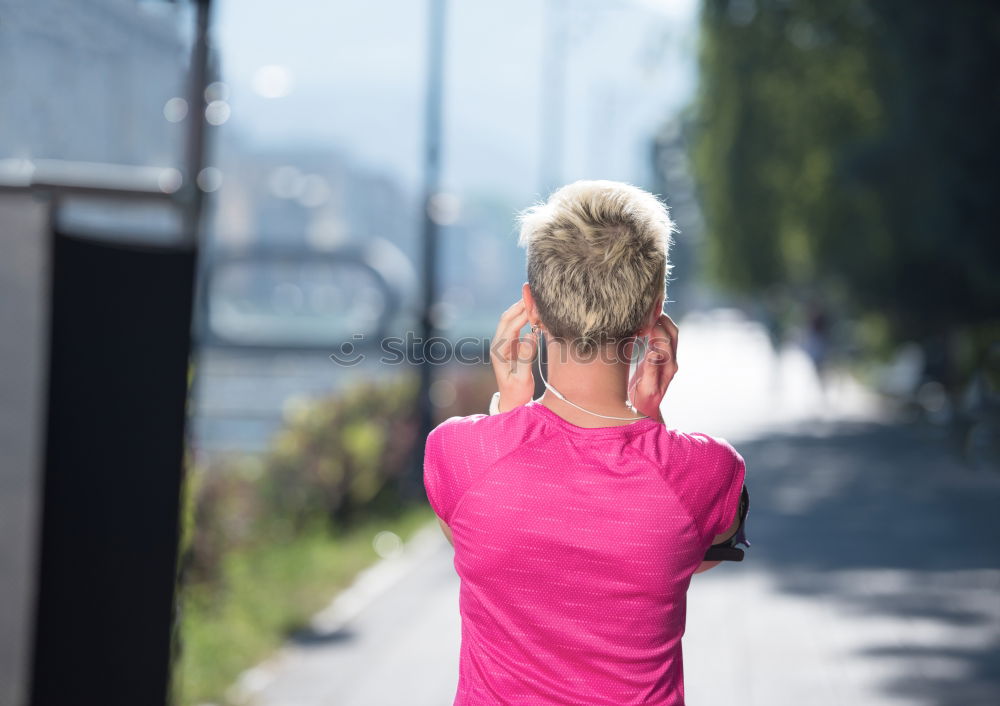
<point>873,576</point>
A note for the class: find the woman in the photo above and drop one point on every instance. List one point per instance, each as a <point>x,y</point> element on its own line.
<point>579,518</point>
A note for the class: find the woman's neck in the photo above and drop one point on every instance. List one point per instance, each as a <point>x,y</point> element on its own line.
<point>599,385</point>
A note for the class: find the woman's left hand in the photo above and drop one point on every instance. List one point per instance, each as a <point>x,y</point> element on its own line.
<point>512,357</point>
<point>656,370</point>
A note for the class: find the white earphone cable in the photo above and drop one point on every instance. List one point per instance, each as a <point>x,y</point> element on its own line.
<point>554,391</point>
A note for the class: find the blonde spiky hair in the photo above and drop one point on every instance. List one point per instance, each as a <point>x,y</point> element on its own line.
<point>597,259</point>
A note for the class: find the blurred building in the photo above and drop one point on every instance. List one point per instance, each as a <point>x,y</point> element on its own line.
<point>90,81</point>
<point>310,197</point>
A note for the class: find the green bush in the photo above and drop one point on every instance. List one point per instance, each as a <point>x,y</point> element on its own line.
<point>335,457</point>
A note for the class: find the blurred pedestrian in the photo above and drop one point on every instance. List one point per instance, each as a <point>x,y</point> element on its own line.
<point>817,335</point>
<point>816,343</point>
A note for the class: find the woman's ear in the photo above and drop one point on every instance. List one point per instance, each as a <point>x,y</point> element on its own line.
<point>530,308</point>
<point>652,316</point>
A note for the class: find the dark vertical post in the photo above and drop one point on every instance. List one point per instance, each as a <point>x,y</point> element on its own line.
<point>432,177</point>
<point>194,161</point>
<point>194,158</point>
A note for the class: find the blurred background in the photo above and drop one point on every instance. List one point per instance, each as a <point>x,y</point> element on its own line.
<point>309,180</point>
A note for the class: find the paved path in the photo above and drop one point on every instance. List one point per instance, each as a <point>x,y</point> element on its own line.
<point>874,576</point>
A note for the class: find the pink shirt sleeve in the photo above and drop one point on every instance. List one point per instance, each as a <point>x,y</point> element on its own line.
<point>726,471</point>
<point>450,463</point>
<point>705,472</point>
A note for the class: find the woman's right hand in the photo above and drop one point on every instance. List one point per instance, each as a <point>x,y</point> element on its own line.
<point>656,369</point>
<point>513,357</point>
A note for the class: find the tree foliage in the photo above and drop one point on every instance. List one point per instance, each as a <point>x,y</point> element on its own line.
<point>848,148</point>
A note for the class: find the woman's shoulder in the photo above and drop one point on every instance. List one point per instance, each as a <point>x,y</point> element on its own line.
<point>480,425</point>
<point>461,424</point>
<point>481,439</point>
<point>672,444</point>
<point>707,442</point>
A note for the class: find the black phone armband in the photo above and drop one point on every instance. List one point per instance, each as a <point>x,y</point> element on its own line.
<point>727,550</point>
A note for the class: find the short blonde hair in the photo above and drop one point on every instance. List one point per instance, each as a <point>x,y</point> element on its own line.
<point>597,259</point>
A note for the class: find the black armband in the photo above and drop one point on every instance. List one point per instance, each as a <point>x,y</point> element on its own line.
<point>727,550</point>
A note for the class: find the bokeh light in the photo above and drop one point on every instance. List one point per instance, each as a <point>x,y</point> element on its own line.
<point>217,112</point>
<point>210,179</point>
<point>272,81</point>
<point>175,109</point>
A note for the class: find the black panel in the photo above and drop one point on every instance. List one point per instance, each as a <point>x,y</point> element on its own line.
<point>120,341</point>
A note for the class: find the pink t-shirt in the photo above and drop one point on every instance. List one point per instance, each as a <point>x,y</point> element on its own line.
<point>575,548</point>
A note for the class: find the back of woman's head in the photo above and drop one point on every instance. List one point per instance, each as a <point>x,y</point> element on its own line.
<point>597,260</point>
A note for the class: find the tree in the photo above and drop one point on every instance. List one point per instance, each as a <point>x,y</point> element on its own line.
<point>848,148</point>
